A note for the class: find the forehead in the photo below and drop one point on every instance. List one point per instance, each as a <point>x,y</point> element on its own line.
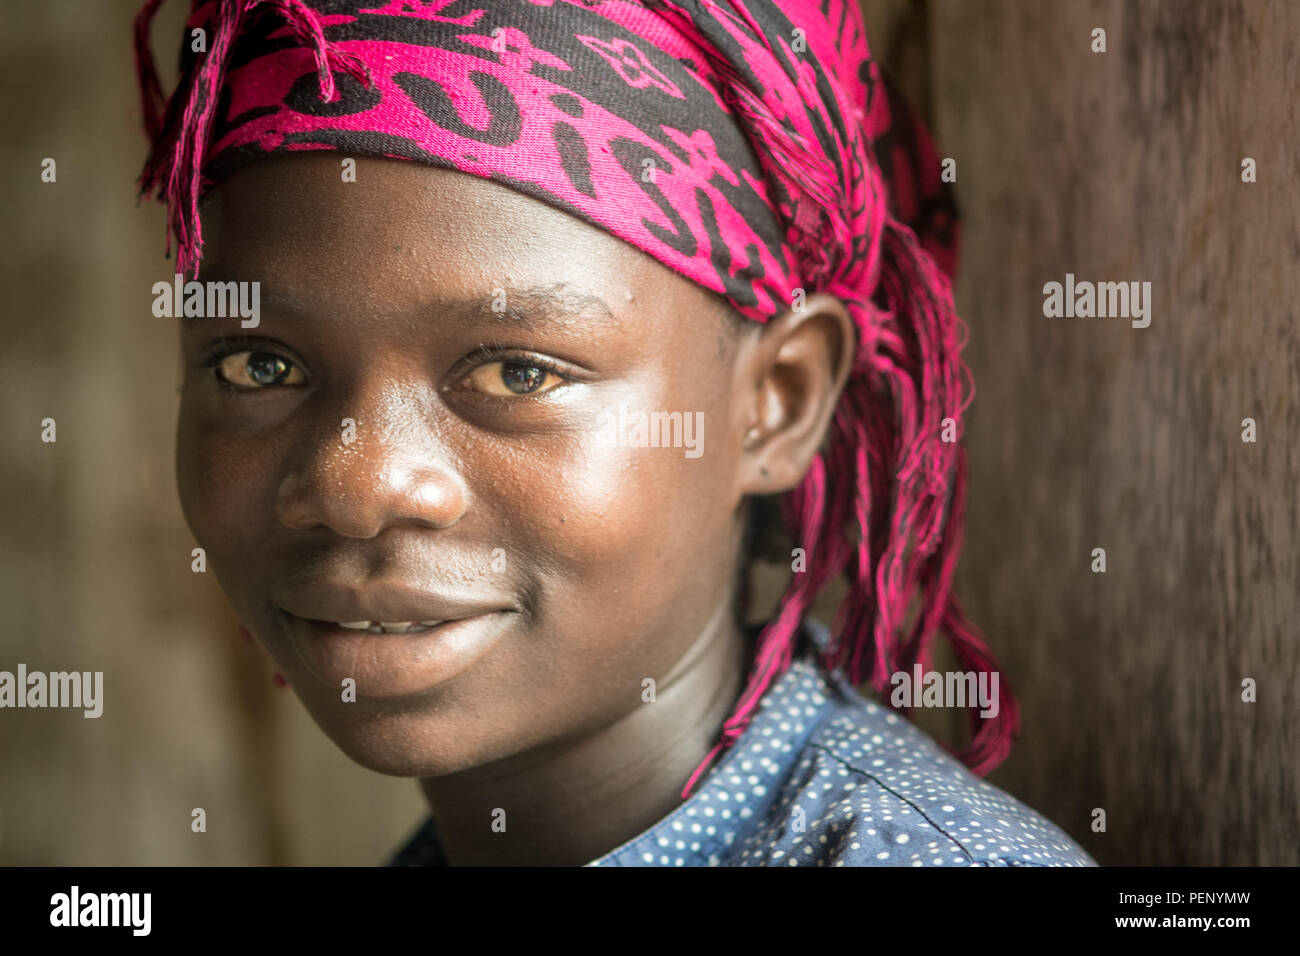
<point>405,236</point>
<point>403,222</point>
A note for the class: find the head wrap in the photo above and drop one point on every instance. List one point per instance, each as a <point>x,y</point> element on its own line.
<point>753,146</point>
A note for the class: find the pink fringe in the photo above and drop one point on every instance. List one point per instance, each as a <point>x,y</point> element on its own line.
<point>885,505</point>
<point>892,466</point>
<point>174,168</point>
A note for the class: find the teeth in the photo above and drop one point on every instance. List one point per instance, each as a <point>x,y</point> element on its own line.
<point>389,627</point>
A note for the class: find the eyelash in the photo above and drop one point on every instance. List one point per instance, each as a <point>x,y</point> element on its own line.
<point>496,353</point>
<point>227,347</point>
<point>489,352</point>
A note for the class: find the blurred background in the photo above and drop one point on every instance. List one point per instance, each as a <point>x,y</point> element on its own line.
<point>1085,433</point>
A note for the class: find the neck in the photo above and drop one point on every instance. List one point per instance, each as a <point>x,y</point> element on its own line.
<point>572,804</point>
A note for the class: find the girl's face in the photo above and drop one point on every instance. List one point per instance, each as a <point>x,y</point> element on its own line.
<point>388,446</point>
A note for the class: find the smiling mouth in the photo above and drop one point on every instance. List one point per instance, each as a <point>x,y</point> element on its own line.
<point>384,627</point>
<point>390,659</point>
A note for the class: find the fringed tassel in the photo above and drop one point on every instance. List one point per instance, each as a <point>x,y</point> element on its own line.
<point>173,171</point>
<point>307,28</point>
<point>876,508</point>
<point>886,503</point>
<point>906,472</point>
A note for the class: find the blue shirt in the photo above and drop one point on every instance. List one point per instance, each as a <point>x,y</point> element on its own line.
<point>824,777</point>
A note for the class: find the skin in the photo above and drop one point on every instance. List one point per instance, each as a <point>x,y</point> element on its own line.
<point>620,560</point>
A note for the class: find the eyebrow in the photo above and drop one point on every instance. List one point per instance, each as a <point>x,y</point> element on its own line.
<point>541,306</point>
<point>557,306</point>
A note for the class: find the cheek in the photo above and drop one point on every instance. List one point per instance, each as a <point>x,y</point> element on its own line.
<point>622,526</point>
<point>649,505</point>
<point>220,481</point>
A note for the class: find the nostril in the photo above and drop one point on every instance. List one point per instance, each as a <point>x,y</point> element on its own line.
<point>357,491</point>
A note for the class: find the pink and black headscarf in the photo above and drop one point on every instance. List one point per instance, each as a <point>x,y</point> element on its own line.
<point>753,146</point>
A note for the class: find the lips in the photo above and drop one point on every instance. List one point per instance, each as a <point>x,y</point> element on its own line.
<point>395,664</point>
<point>384,606</point>
<point>391,639</point>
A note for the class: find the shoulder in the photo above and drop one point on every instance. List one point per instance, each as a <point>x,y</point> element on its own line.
<point>872,789</point>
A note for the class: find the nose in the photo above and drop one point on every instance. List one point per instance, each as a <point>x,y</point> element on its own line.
<point>371,464</point>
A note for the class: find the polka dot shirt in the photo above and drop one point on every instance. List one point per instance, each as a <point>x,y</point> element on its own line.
<point>824,777</point>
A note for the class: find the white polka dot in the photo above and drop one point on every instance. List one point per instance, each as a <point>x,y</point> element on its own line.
<point>815,746</point>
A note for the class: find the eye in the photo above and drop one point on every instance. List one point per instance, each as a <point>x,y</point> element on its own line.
<point>513,379</point>
<point>254,371</point>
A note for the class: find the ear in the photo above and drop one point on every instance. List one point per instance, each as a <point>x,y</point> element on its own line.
<point>794,376</point>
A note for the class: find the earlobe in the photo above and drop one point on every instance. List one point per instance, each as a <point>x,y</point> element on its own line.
<point>804,359</point>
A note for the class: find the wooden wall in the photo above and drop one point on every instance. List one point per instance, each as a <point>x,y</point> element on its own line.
<point>1089,433</point>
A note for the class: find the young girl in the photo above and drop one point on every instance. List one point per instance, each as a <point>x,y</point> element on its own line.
<point>553,296</point>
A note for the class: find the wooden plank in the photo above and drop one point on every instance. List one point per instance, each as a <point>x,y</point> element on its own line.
<point>1087,433</point>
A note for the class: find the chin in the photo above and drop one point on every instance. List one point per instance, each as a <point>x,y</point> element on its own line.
<point>398,742</point>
